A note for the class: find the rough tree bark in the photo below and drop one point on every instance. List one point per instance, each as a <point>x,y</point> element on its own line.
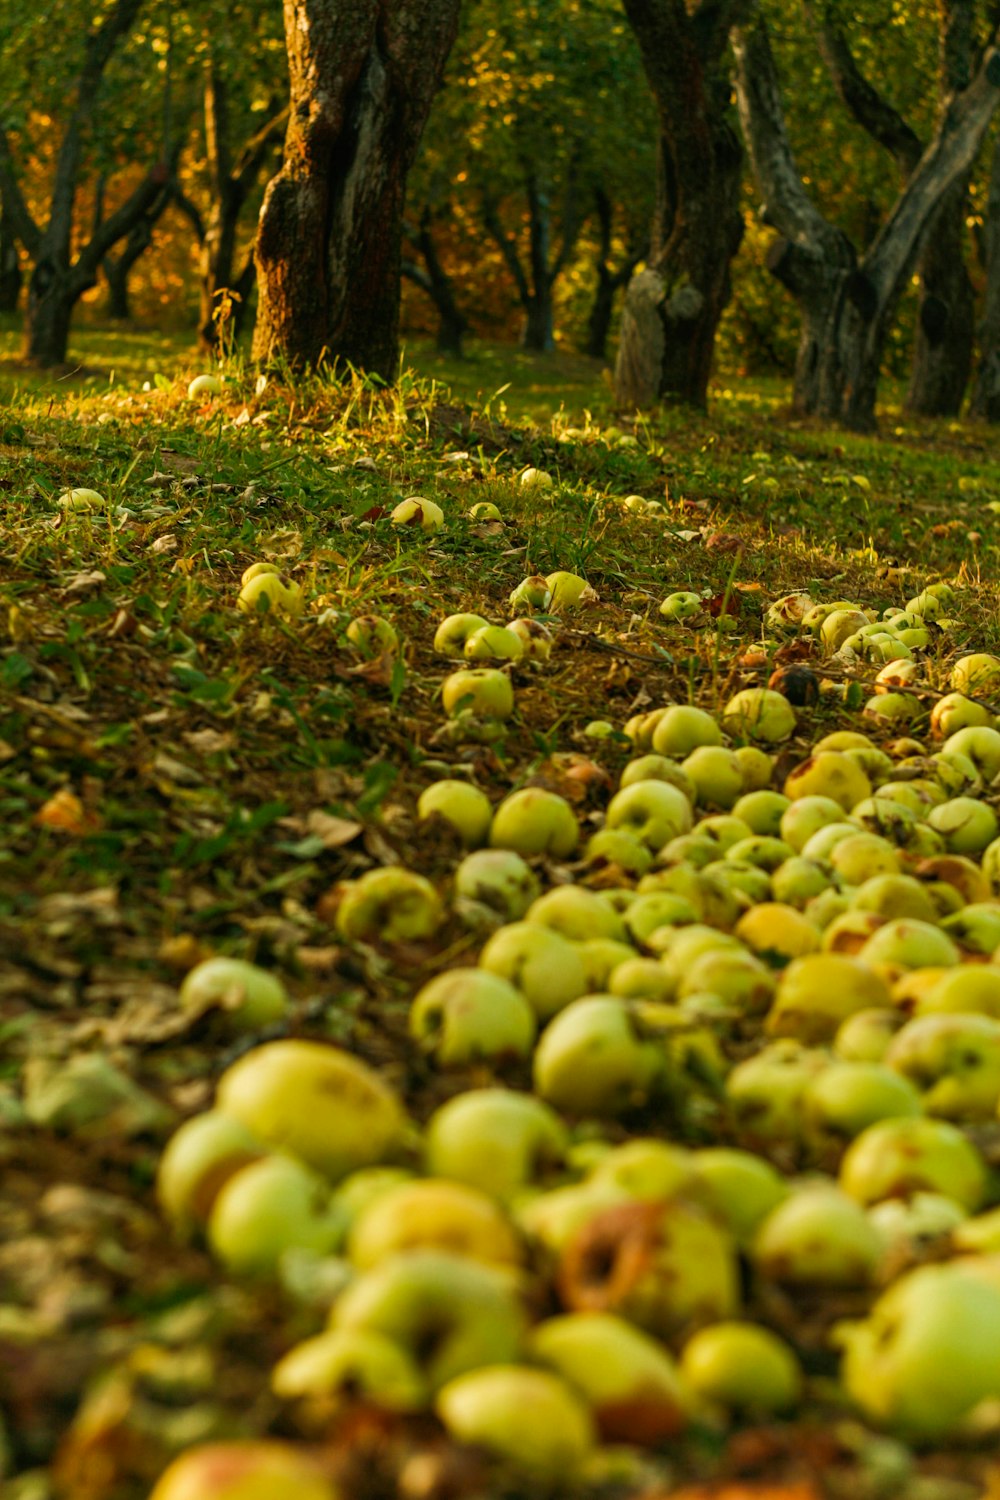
<point>10,269</point>
<point>986,389</point>
<point>943,341</point>
<point>57,280</point>
<point>673,306</point>
<point>433,279</point>
<point>847,300</point>
<point>329,241</point>
<point>610,279</point>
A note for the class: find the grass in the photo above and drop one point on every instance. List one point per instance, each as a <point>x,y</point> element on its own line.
<point>169,767</point>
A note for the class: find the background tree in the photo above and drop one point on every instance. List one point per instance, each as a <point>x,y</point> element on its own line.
<point>329,239</point>
<point>63,268</point>
<point>847,299</point>
<point>986,389</point>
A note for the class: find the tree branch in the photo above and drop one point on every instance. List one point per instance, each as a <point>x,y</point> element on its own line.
<point>190,210</point>
<point>251,157</point>
<point>873,113</point>
<point>508,249</point>
<point>17,211</point>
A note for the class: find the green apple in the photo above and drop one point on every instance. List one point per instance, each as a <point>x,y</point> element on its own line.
<point>536,479</point>
<point>418,512</point>
<point>204,385</point>
<point>954,711</point>
<point>601,956</point>
<point>764,1092</point>
<point>615,846</point>
<point>251,1469</point>
<point>735,975</point>
<point>742,1367</point>
<point>759,714</point>
<point>746,881</point>
<point>891,896</point>
<point>859,856</point>
<point>450,1313</point>
<point>578,914</point>
<point>847,1097</point>
<point>316,1101</point>
<point>954,1060</point>
<point>391,904</point>
<point>656,909</point>
<point>545,967</point>
<point>738,1187</point>
<point>715,774</point>
<point>759,850</point>
<point>762,811</point>
<point>494,885</point>
<point>641,727</point>
<point>966,824</point>
<point>485,510</point>
<point>642,979</point>
<point>928,1353</point>
<point>980,745</point>
<point>531,593</point>
<point>348,1364</point>
<point>248,997</point>
<point>569,591</point>
<point>664,1265</point>
<point>493,643</point>
<point>797,880</point>
<point>536,640</point>
<point>484,691</point>
<point>906,943</point>
<point>787,613</point>
<point>681,607</point>
<point>968,987</point>
<point>453,632</point>
<point>469,1015</point>
<point>838,625</point>
<point>645,1167</point>
<point>817,992</point>
<point>628,1379</point>
<point>895,1158</point>
<point>657,768</point>
<point>530,1418</point>
<point>865,1036</point>
<point>593,1060</point>
<point>683,728</point>
<point>81,500</point>
<point>805,816</point>
<point>976,927</point>
<point>978,674</point>
<point>533,821</point>
<point>433,1214</point>
<point>462,807</point>
<point>652,810</point>
<point>269,1206</point>
<point>818,1236</point>
<point>199,1158</point>
<point>777,933</point>
<point>494,1139</point>
<point>271,593</point>
<point>830,774</point>
<point>371,636</point>
<point>756,766</point>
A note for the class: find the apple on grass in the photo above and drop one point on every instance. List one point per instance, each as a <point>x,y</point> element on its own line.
<point>371,636</point>
<point>533,821</point>
<point>545,967</point>
<point>531,1418</point>
<point>682,728</point>
<point>494,885</point>
<point>464,808</point>
<point>249,997</point>
<point>418,512</point>
<point>267,1207</point>
<point>81,499</point>
<point>578,914</point>
<point>453,632</point>
<point>391,904</point>
<point>592,1059</point>
<point>493,643</point>
<point>433,1214</point>
<point>199,1158</point>
<point>271,592</point>
<point>469,1015</point>
<point>483,691</point>
<point>653,810</point>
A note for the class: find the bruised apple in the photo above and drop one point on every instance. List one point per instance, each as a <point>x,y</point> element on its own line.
<point>254,1469</point>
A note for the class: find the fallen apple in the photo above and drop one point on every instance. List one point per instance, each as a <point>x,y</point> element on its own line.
<point>530,1418</point>
<point>252,1469</point>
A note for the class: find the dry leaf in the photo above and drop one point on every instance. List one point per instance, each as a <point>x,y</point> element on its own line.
<point>335,832</point>
<point>65,813</point>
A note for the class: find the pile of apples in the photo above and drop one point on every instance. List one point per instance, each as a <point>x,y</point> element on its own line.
<point>761,1014</point>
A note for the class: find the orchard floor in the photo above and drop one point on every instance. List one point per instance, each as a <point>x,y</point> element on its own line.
<point>177,778</point>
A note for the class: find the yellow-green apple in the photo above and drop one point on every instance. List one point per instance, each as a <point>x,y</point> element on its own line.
<point>966,824</point>
<point>530,1418</point>
<point>248,996</point>
<point>343,1365</point>
<point>199,1158</point>
<point>738,1187</point>
<point>805,816</point>
<point>777,933</point>
<point>433,1214</point>
<point>578,914</point>
<point>847,1097</point>
<point>372,636</point>
<point>392,904</point>
<point>980,745</point>
<point>628,1379</point>
<point>865,1036</point>
<point>483,691</point>
<point>425,515</point>
<point>653,810</point>
<point>450,1313</point>
<point>892,896</point>
<point>536,641</point>
<point>536,479</point>
<point>463,807</point>
<point>615,846</point>
<point>762,811</point>
<point>469,1015</point>
<point>453,632</point>
<point>683,728</point>
<point>493,643</point>
<point>978,673</point>
<point>544,966</point>
<point>534,821</point>
<point>269,1206</point>
<point>317,1101</point>
<point>764,1092</point>
<point>797,880</point>
<point>715,774</point>
<point>592,1059</point>
<point>682,607</point>
<point>818,1236</point>
<point>204,385</point>
<point>494,1139</point>
<point>742,1367</point>
<point>954,711</point>
<point>818,992</point>
<point>252,1469</point>
<point>271,592</point>
<point>531,593</point>
<point>896,1158</point>
<point>756,766</point>
<point>657,768</point>
<point>569,591</point>
<point>954,1060</point>
<point>760,714</point>
<point>733,974</point>
<point>830,774</point>
<point>968,987</point>
<point>642,979</point>
<point>494,884</point>
<point>907,943</point>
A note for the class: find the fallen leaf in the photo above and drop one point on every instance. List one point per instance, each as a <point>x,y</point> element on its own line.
<point>334,832</point>
<point>65,813</point>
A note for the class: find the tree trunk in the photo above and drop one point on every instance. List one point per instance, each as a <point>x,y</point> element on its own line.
<point>601,311</point>
<point>672,308</point>
<point>10,270</point>
<point>946,324</point>
<point>847,304</point>
<point>330,234</point>
<point>116,274</point>
<point>539,332</point>
<point>433,279</point>
<point>52,297</point>
<point>216,258</point>
<point>986,392</point>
